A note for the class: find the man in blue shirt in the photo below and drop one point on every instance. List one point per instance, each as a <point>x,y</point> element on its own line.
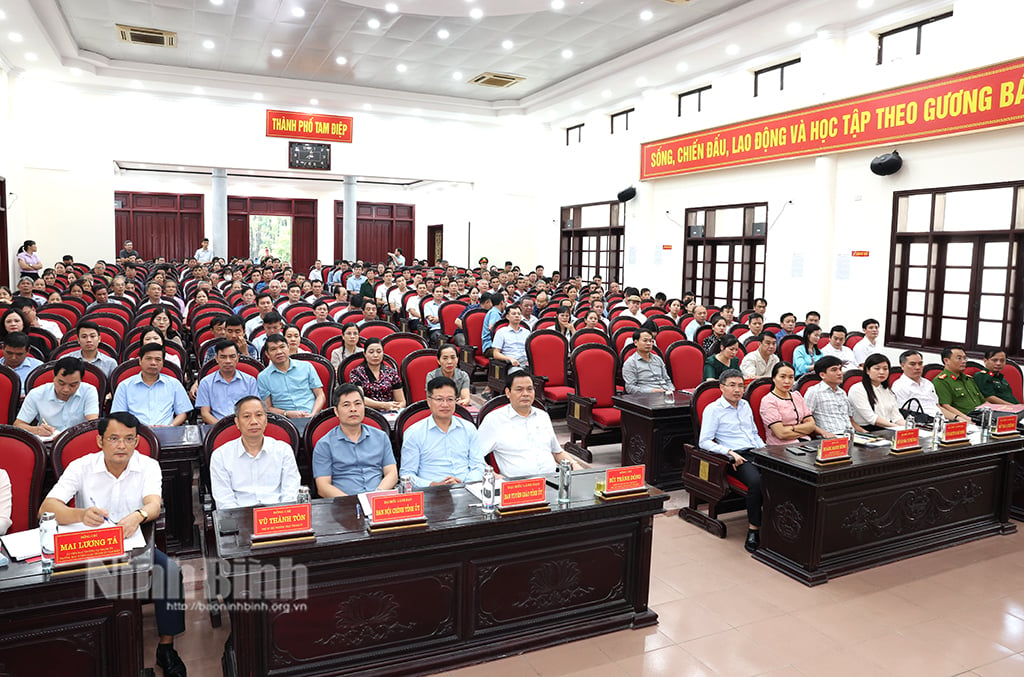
<point>510,341</point>
<point>727,428</point>
<point>354,457</point>
<point>443,448</point>
<point>218,392</point>
<point>490,319</point>
<point>61,404</point>
<point>356,279</point>
<point>289,387</point>
<point>153,397</point>
<point>16,356</point>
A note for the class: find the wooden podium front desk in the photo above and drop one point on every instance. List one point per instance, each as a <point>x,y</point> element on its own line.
<point>653,435</point>
<point>822,522</point>
<point>466,588</point>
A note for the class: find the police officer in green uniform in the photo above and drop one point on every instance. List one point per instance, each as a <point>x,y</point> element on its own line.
<point>957,391</point>
<point>991,382</point>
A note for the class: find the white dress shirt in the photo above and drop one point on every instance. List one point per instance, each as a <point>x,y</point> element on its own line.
<point>863,349</point>
<point>523,446</point>
<point>5,502</point>
<point>239,479</point>
<point>843,353</point>
<point>885,405</point>
<point>88,481</point>
<point>906,389</point>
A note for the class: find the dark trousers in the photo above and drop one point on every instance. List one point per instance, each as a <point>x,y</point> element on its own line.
<point>751,477</point>
<point>168,595</point>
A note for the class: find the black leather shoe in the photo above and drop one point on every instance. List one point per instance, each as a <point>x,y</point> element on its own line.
<point>753,540</point>
<point>169,660</point>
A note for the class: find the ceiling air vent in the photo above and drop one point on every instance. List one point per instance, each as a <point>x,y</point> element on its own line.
<point>496,80</point>
<point>147,36</point>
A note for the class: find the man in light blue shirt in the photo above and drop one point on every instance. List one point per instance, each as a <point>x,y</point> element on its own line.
<point>442,448</point>
<point>16,356</point>
<point>253,469</point>
<point>153,397</point>
<point>289,387</point>
<point>356,279</point>
<point>354,457</point>
<point>490,319</point>
<point>218,392</point>
<point>726,428</point>
<point>510,341</point>
<point>88,334</point>
<point>61,404</point>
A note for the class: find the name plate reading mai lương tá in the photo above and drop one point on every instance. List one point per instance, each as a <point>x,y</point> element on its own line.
<point>76,547</point>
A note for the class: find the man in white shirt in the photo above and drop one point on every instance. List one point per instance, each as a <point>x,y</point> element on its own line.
<point>700,318</point>
<point>866,346</point>
<point>204,254</point>
<point>755,326</point>
<point>510,341</point>
<point>520,435</point>
<point>119,486</point>
<point>633,309</point>
<point>396,294</point>
<point>760,362</point>
<point>412,306</point>
<point>836,347</point>
<point>61,404</point>
<point>253,469</point>
<point>913,386</point>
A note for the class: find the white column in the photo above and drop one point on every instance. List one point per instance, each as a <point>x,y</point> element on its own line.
<point>218,229</point>
<point>348,235</point>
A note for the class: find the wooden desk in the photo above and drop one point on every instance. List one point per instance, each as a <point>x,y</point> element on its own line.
<point>466,588</point>
<point>1017,505</point>
<point>179,459</point>
<point>64,624</point>
<point>653,434</point>
<point>826,522</point>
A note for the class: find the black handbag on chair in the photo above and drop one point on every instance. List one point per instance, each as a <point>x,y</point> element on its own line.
<point>912,407</point>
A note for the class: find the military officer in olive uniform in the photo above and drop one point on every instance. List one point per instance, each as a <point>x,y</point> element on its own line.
<point>991,382</point>
<point>957,391</point>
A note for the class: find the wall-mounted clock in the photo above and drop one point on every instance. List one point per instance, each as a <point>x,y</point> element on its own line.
<point>304,155</point>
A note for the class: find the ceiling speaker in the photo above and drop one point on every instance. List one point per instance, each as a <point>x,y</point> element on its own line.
<point>627,195</point>
<point>887,164</point>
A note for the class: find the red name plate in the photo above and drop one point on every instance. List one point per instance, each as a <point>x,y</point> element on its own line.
<point>79,546</point>
<point>523,492</point>
<point>906,439</point>
<point>292,125</point>
<point>397,507</point>
<point>1006,425</point>
<point>955,431</point>
<point>623,479</point>
<point>281,519</point>
<point>837,447</point>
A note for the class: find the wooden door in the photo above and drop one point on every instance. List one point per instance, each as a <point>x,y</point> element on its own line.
<point>435,243</point>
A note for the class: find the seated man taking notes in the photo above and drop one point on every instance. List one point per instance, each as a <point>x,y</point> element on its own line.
<point>442,448</point>
<point>118,485</point>
<point>353,457</point>
<point>727,428</point>
<point>253,469</point>
<point>61,404</point>
<point>521,435</point>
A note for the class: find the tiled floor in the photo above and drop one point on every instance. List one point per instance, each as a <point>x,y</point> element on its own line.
<point>959,611</point>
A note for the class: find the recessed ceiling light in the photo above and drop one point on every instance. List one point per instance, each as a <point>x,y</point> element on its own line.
<point>373,23</point>
<point>3,15</point>
<point>566,53</point>
<point>197,90</point>
<point>298,12</point>
<point>443,34</point>
<point>864,4</point>
<point>258,96</point>
<point>682,67</point>
<point>793,27</point>
<point>457,75</point>
<point>391,8</point>
<point>217,2</point>
<point>276,53</point>
<point>341,61</point>
<point>367,106</point>
<point>557,4</point>
<point>507,44</point>
<point>208,44</point>
<point>401,68</point>
<point>314,102</point>
<point>31,56</point>
<point>476,13</point>
<point>732,50</point>
<point>641,81</point>
<point>15,37</point>
<point>606,94</point>
<point>646,15</point>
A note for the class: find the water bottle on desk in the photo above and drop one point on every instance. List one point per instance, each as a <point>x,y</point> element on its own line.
<point>910,422</point>
<point>405,484</point>
<point>564,481</point>
<point>47,530</point>
<point>487,491</point>
<point>304,495</point>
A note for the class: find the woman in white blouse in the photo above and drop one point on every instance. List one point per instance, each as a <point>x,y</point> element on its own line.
<point>873,401</point>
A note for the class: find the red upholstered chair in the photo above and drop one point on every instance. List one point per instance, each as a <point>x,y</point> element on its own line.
<point>752,343</point>
<point>115,321</point>
<point>72,313</point>
<point>414,370</point>
<point>74,302</point>
<point>10,393</point>
<point>853,338</point>
<point>773,327</point>
<point>1015,378</point>
<point>702,334</point>
<point>327,420</point>
<point>415,412</point>
<point>43,339</point>
<point>71,346</point>
<point>546,323</point>
<point>377,329</point>
<point>296,309</point>
<point>590,407</point>
<point>131,351</point>
<point>804,383</point>
<point>667,336</point>
<point>322,332</point>
<point>548,353</point>
<point>324,370</point>
<point>23,458</point>
<point>61,321</point>
<point>662,320</point>
<point>973,368</point>
<point>588,336</point>
<point>245,364</point>
<point>622,336</point>
<point>352,361</point>
<point>739,330</point>
<point>400,344</point>
<point>787,346</point>
<point>617,323</point>
<point>706,475</point>
<point>932,370</point>
<point>471,355</point>
<point>685,363</point>
<point>851,377</point>
<point>894,375</point>
<point>823,341</point>
<point>450,311</point>
<point>93,375</point>
<point>685,320</point>
<point>755,392</point>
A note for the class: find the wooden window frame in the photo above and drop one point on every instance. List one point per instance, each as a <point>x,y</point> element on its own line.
<point>576,241</point>
<point>780,67</point>
<point>703,250</point>
<point>699,92</point>
<point>915,26</point>
<point>624,114</point>
<point>579,134</point>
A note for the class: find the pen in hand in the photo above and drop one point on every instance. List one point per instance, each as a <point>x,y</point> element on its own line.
<point>96,505</point>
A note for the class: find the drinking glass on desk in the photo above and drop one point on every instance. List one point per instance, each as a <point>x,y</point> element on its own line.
<point>191,434</point>
<point>670,396</point>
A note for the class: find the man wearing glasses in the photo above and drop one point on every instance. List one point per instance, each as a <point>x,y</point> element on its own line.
<point>442,448</point>
<point>727,428</point>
